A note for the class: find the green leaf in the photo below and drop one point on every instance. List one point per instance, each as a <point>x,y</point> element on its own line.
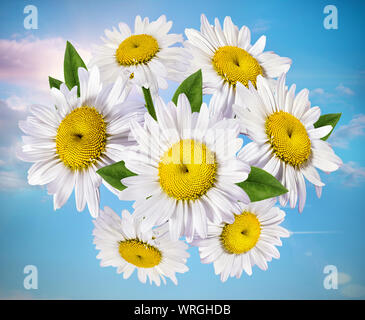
<point>261,185</point>
<point>149,103</point>
<point>114,173</point>
<point>71,64</point>
<point>54,83</point>
<point>328,119</point>
<point>193,88</point>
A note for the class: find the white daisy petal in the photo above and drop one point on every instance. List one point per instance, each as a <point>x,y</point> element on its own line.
<point>151,65</point>
<point>311,116</point>
<point>66,184</point>
<point>258,47</point>
<point>70,142</point>
<point>79,191</point>
<point>154,255</point>
<point>193,173</point>
<point>284,141</point>
<point>227,59</point>
<point>320,132</point>
<point>251,239</point>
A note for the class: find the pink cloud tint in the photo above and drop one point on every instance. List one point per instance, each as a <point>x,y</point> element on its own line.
<point>29,61</point>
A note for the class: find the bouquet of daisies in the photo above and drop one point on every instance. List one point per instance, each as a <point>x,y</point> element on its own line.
<point>183,162</point>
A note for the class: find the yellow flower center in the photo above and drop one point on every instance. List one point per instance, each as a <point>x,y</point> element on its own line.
<point>81,138</point>
<point>187,170</point>
<point>235,64</point>
<point>139,253</point>
<point>242,235</point>
<point>288,138</point>
<point>137,49</point>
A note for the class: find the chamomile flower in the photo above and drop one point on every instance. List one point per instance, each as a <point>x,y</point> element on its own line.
<point>187,169</point>
<point>124,246</point>
<point>227,57</point>
<point>284,140</point>
<point>250,240</point>
<point>144,56</point>
<point>70,142</point>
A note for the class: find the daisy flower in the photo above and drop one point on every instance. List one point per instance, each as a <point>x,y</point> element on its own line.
<point>227,57</point>
<point>124,246</point>
<point>186,168</point>
<point>144,56</point>
<point>284,140</point>
<point>70,142</point>
<point>250,240</point>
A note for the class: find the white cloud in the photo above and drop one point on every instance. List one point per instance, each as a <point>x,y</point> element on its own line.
<point>318,91</point>
<point>350,290</point>
<point>352,173</point>
<point>9,181</point>
<point>321,94</point>
<point>344,90</point>
<point>354,291</point>
<point>28,97</point>
<point>29,61</point>
<point>12,109</point>
<point>260,26</point>
<point>325,95</point>
<point>12,170</point>
<point>16,295</point>
<point>343,134</point>
<point>343,278</point>
<point>9,118</point>
<point>17,103</point>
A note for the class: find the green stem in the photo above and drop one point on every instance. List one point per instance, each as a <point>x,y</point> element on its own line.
<point>149,103</point>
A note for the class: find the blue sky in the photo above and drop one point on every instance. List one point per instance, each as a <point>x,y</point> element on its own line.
<point>329,63</point>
